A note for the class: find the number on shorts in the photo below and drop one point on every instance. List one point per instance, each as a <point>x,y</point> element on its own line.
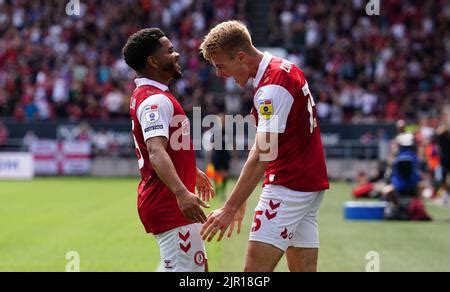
<point>257,221</point>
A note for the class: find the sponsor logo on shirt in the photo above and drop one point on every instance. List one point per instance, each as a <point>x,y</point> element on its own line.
<point>152,113</point>
<point>152,128</point>
<point>266,109</point>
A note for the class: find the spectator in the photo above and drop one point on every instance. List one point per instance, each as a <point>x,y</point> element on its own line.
<point>404,193</point>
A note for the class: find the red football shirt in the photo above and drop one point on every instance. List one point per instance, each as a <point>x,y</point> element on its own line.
<point>155,112</point>
<point>283,104</point>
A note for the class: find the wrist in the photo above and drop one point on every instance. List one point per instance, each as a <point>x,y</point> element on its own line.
<point>231,208</point>
<point>180,192</point>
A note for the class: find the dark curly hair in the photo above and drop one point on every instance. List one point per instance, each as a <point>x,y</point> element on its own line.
<point>140,45</point>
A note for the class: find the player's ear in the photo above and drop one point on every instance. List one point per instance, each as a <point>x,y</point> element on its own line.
<point>241,57</point>
<point>152,62</point>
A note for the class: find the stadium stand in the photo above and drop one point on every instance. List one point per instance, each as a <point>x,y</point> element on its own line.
<point>385,67</point>
<point>361,69</point>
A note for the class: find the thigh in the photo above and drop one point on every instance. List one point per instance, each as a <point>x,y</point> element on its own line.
<point>182,249</point>
<point>306,234</point>
<point>262,257</point>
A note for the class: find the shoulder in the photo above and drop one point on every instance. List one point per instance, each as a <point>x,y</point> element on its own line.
<point>284,73</point>
<point>154,102</point>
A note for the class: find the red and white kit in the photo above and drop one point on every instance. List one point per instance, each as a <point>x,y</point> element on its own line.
<point>294,183</point>
<point>155,112</point>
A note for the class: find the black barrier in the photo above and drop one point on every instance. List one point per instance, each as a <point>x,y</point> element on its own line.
<point>48,129</point>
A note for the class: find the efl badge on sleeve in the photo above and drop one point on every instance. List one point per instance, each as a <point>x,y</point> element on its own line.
<point>152,113</point>
<point>266,109</point>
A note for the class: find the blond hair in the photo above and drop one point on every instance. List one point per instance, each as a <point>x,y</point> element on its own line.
<point>229,36</point>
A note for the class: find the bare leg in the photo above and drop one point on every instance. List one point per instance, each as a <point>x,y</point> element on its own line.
<point>262,257</point>
<point>302,259</point>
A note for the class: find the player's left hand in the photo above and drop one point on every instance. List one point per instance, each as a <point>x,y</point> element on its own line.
<point>205,189</point>
<point>218,220</point>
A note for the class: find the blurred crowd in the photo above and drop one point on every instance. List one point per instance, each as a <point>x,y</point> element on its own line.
<point>57,66</point>
<point>387,67</point>
<point>379,68</point>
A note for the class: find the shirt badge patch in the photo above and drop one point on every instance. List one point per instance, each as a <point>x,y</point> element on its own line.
<point>266,109</point>
<point>152,113</point>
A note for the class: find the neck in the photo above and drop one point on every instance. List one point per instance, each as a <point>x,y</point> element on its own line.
<point>154,76</point>
<point>254,62</point>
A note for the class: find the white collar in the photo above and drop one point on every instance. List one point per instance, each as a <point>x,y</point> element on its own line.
<point>262,68</point>
<point>145,81</point>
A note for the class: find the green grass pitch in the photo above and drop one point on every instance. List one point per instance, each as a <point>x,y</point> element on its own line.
<point>42,220</point>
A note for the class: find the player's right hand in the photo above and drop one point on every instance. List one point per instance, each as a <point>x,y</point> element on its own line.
<point>190,205</point>
<point>240,214</point>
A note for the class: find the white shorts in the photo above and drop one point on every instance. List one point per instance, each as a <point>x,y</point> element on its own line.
<point>182,249</point>
<point>285,218</point>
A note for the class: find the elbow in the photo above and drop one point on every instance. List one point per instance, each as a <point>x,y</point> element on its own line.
<point>153,153</point>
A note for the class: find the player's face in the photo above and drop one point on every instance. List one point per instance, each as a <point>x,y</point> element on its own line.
<point>168,59</point>
<point>227,66</point>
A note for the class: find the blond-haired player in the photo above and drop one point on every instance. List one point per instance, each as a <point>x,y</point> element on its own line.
<point>292,160</point>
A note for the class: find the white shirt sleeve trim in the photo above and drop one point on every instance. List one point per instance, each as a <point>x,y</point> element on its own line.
<point>155,114</point>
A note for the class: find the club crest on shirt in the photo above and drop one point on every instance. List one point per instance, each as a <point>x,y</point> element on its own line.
<point>266,109</point>
<point>168,264</point>
<point>152,113</point>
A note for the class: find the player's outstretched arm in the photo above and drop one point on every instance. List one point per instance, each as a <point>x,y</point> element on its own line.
<point>190,205</point>
<point>260,156</point>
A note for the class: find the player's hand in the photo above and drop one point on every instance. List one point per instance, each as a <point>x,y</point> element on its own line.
<point>205,189</point>
<point>240,214</point>
<point>218,220</point>
<point>190,205</point>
